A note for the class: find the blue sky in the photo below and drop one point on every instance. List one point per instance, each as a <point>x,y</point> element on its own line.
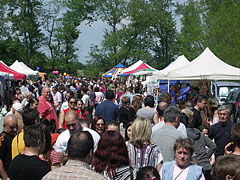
<point>94,34</point>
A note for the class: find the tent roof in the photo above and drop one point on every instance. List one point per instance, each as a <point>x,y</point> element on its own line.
<point>205,66</point>
<point>114,71</point>
<point>5,68</point>
<point>139,65</point>
<point>180,62</point>
<point>22,68</point>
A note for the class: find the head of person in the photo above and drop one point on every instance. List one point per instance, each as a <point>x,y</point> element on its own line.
<point>72,102</point>
<point>68,94</point>
<point>148,173</point>
<point>30,117</point>
<point>55,90</point>
<point>110,95</point>
<point>183,150</point>
<point>98,125</point>
<point>224,113</point>
<point>83,90</point>
<point>126,101</point>
<point>32,103</point>
<point>226,167</point>
<point>141,132</point>
<point>128,131</point>
<point>80,104</point>
<point>72,122</point>
<point>113,126</point>
<point>186,117</point>
<point>34,137</point>
<point>166,97</point>
<point>46,92</point>
<point>17,90</point>
<point>17,107</point>
<point>111,153</point>
<point>80,146</point>
<point>235,133</point>
<point>171,115</point>
<point>136,102</point>
<point>149,101</point>
<point>128,90</point>
<point>205,130</point>
<point>201,101</point>
<point>10,124</point>
<point>84,122</point>
<point>162,106</point>
<point>28,95</point>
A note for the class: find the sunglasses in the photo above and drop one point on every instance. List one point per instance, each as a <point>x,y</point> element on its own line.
<point>99,124</point>
<point>72,102</point>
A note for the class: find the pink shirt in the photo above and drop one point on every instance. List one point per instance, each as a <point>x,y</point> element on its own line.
<point>46,110</point>
<point>57,98</point>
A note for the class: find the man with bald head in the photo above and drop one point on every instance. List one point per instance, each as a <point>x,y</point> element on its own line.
<point>73,125</point>
<point>10,126</point>
<point>45,107</point>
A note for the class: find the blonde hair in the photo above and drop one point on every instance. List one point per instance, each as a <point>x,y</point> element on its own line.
<point>136,102</point>
<point>141,132</point>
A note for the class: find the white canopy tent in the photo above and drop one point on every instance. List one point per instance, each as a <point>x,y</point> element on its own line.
<point>205,66</point>
<point>22,68</point>
<point>180,62</point>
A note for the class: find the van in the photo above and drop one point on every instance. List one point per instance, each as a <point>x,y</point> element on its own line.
<point>221,89</point>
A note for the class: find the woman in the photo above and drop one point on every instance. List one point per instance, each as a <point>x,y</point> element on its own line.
<point>124,111</point>
<point>136,105</point>
<point>140,149</point>
<point>98,125</point>
<point>182,168</point>
<point>128,132</point>
<point>32,103</point>
<point>111,157</point>
<point>72,105</point>
<point>80,106</point>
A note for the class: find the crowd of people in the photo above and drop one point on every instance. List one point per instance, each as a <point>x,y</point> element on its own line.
<point>102,129</point>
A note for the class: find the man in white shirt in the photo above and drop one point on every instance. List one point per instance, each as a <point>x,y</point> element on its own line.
<point>85,97</point>
<point>73,125</point>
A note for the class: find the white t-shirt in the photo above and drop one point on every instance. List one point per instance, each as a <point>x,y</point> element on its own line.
<point>64,106</point>
<point>85,100</point>
<point>62,140</point>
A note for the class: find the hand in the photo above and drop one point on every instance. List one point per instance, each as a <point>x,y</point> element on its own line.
<point>227,147</point>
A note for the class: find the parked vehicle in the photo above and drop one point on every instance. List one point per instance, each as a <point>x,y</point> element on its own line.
<point>221,89</point>
<point>233,100</point>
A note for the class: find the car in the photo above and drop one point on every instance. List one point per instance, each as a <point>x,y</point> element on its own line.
<point>233,100</point>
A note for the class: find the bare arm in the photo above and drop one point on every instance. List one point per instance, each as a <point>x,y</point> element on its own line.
<point>159,166</point>
<point>2,171</point>
<point>61,119</point>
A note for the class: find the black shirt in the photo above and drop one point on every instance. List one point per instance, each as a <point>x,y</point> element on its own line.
<point>197,119</point>
<point>6,149</point>
<point>25,167</point>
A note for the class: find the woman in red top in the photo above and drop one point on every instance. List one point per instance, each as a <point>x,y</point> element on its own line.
<point>72,105</point>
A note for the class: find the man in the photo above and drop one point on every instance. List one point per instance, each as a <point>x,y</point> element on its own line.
<point>10,130</point>
<point>159,119</point>
<point>28,95</point>
<point>221,131</point>
<point>85,97</point>
<point>107,109</point>
<point>148,111</point>
<point>29,117</point>
<point>127,93</point>
<point>27,165</point>
<point>201,104</point>
<point>234,146</point>
<point>80,155</point>
<point>57,99</point>
<point>45,107</point>
<point>166,136</point>
<point>73,125</point>
<point>113,126</point>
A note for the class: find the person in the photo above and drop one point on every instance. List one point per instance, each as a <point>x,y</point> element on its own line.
<point>140,149</point>
<point>227,167</point>
<point>107,109</point>
<point>99,96</point>
<point>80,154</point>
<point>32,104</point>
<point>113,126</point>
<point>128,131</point>
<point>136,105</point>
<point>45,107</point>
<point>111,157</point>
<point>91,102</point>
<point>17,109</point>
<point>221,131</point>
<point>72,102</point>
<point>204,146</point>
<point>234,146</point>
<point>73,125</point>
<point>80,106</point>
<point>65,103</point>
<point>85,97</point>
<point>148,173</point>
<point>27,165</point>
<point>128,92</point>
<point>124,111</point>
<point>201,104</point>
<point>57,99</point>
<point>166,136</point>
<point>98,125</point>
<point>28,95</point>
<point>148,111</point>
<point>182,168</point>
<point>10,130</point>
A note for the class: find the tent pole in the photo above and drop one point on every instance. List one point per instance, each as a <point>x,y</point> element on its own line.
<point>168,86</point>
